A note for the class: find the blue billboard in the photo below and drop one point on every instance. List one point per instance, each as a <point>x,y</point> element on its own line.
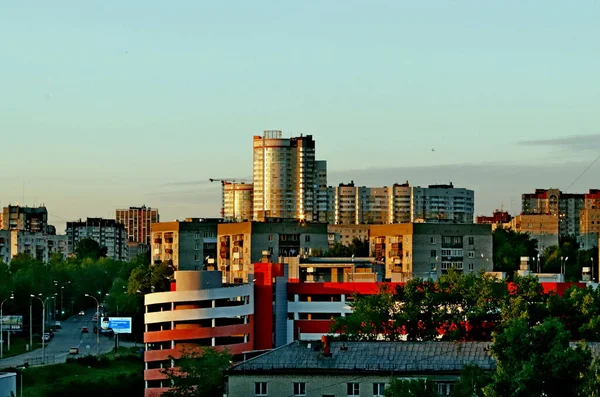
<point>120,325</point>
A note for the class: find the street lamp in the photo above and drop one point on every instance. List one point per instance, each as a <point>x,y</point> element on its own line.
<point>62,287</point>
<point>98,320</point>
<point>2,326</point>
<point>43,302</point>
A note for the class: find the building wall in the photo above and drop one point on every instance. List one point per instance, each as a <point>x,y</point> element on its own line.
<point>345,234</point>
<point>316,385</point>
<point>185,244</point>
<point>107,232</point>
<point>238,201</point>
<point>38,245</point>
<point>566,206</point>
<point>190,317</point>
<point>31,219</point>
<point>589,220</point>
<point>442,204</point>
<point>5,246</point>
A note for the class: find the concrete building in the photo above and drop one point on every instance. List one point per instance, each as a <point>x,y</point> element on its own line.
<point>197,312</point>
<point>30,219</point>
<point>427,250</point>
<point>352,204</point>
<point>238,201</point>
<point>187,245</point>
<point>442,204</point>
<point>544,228</point>
<point>317,369</point>
<point>589,220</point>
<point>138,223</point>
<point>40,246</point>
<point>566,206</point>
<point>321,206</point>
<point>107,232</point>
<point>242,244</point>
<point>284,175</point>
<point>345,234</point>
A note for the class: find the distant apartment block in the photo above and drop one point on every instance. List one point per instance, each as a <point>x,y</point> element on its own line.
<point>30,219</point>
<point>284,175</point>
<point>40,246</point>
<point>567,206</point>
<point>107,232</point>
<point>186,245</point>
<point>544,228</point>
<point>346,234</point>
<point>138,222</point>
<point>428,250</point>
<point>238,201</point>
<point>498,217</point>
<point>442,204</point>
<point>242,244</point>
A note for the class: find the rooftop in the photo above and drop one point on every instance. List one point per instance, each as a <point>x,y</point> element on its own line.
<point>407,357</point>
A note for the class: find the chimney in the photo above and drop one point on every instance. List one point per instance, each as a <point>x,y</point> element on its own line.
<point>326,349</point>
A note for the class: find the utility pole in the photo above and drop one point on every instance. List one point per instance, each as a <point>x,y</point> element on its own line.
<point>2,327</point>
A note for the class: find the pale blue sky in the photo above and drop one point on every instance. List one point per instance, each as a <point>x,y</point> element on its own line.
<point>101,105</point>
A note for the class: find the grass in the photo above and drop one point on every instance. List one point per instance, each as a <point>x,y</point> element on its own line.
<point>112,372</point>
<point>17,345</point>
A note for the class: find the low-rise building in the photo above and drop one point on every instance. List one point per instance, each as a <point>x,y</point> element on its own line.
<point>498,217</point>
<point>187,245</point>
<point>316,369</point>
<point>242,244</point>
<point>428,249</point>
<point>345,234</point>
<point>107,232</point>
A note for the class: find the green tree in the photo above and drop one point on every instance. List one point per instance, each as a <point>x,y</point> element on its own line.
<point>537,361</point>
<point>199,372</point>
<point>358,248</point>
<point>412,387</point>
<point>509,247</point>
<point>89,248</point>
<point>472,381</point>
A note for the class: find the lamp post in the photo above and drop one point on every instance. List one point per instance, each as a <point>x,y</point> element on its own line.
<point>62,308</point>
<point>98,320</point>
<point>2,326</point>
<point>43,302</point>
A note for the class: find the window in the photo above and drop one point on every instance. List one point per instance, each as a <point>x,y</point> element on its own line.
<point>433,253</point>
<point>471,254</point>
<point>445,389</point>
<point>471,240</point>
<point>307,238</point>
<point>432,242</point>
<point>270,237</point>
<point>446,252</point>
<point>260,388</point>
<point>353,389</point>
<point>378,389</point>
<point>299,389</point>
<point>432,266</point>
<point>471,266</point>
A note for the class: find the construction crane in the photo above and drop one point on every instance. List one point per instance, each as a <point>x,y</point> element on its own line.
<point>227,181</point>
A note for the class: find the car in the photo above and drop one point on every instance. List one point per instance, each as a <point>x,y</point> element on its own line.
<point>82,313</point>
<point>57,324</point>
<point>46,337</point>
<point>74,350</point>
<point>84,330</point>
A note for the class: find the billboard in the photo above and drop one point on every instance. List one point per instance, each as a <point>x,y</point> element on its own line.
<point>12,323</point>
<point>120,325</point>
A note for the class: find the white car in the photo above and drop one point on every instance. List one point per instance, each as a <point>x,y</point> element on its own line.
<point>46,337</point>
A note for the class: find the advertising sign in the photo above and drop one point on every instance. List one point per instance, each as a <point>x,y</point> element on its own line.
<point>120,325</point>
<point>12,323</point>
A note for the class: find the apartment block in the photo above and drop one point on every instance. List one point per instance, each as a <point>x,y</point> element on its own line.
<point>567,206</point>
<point>242,244</point>
<point>107,232</point>
<point>186,245</point>
<point>284,174</point>
<point>345,234</point>
<point>238,201</point>
<point>40,246</point>
<point>544,228</point>
<point>428,249</point>
<point>30,219</point>
<point>138,222</point>
<point>442,204</point>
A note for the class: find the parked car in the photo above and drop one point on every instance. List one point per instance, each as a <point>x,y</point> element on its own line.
<point>74,350</point>
<point>82,313</point>
<point>46,337</point>
<point>84,330</point>
<point>57,324</point>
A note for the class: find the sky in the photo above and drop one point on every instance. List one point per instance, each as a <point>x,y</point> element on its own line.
<point>107,105</point>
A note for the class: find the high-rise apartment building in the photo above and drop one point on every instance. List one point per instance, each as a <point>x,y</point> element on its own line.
<point>29,219</point>
<point>40,246</point>
<point>186,245</point>
<point>138,222</point>
<point>442,204</point>
<point>107,232</point>
<point>567,206</point>
<point>238,201</point>
<point>284,176</point>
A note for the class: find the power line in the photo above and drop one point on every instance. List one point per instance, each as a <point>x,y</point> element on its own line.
<point>584,171</point>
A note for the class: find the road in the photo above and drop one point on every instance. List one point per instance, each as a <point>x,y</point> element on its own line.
<point>68,336</point>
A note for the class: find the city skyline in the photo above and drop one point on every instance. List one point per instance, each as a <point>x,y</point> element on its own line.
<point>119,109</point>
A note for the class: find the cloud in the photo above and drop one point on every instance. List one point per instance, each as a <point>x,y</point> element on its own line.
<point>573,142</point>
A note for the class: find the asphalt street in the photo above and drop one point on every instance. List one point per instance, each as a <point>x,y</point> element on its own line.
<point>57,350</point>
